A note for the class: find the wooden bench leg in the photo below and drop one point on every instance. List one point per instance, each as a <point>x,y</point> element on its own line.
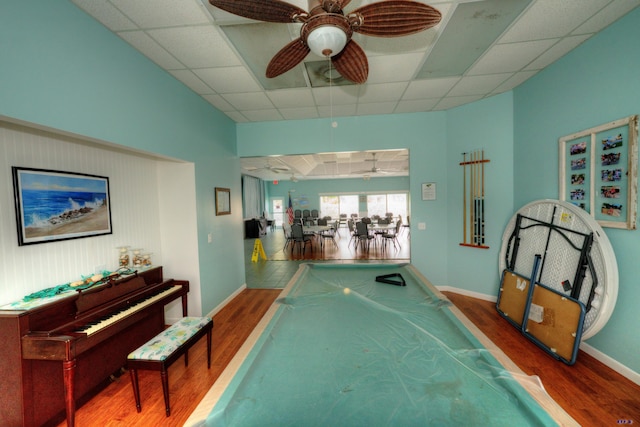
<point>165,389</point>
<point>209,348</point>
<point>136,389</point>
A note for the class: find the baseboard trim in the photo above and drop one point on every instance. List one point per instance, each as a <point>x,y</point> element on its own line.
<point>623,370</point>
<point>227,300</point>
<point>467,293</point>
<point>610,362</point>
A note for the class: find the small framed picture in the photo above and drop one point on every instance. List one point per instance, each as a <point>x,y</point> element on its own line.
<point>223,201</point>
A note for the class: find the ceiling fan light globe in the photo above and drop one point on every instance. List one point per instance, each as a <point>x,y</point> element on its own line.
<point>327,40</point>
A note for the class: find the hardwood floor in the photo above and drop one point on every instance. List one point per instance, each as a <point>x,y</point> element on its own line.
<point>589,391</point>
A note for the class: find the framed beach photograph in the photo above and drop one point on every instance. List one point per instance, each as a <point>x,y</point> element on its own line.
<point>55,205</point>
<point>223,201</point>
<point>598,172</point>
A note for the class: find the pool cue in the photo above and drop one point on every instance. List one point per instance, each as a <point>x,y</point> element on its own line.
<point>471,183</point>
<point>464,197</point>
<point>476,201</point>
<point>482,199</point>
<point>479,218</point>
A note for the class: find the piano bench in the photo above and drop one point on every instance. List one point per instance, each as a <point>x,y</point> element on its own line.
<point>165,348</point>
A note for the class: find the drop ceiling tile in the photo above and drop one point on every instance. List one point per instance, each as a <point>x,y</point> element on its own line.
<point>414,43</point>
<point>192,81</point>
<point>262,115</point>
<point>337,111</point>
<point>382,92</point>
<point>472,28</point>
<point>431,88</point>
<point>418,105</point>
<point>163,13</point>
<point>196,47</point>
<point>455,101</point>
<point>228,79</point>
<point>145,44</point>
<point>376,108</point>
<point>291,98</point>
<point>299,113</point>
<point>249,101</point>
<point>393,68</point>
<point>478,85</point>
<point>107,14</point>
<point>219,102</point>
<point>547,19</point>
<point>557,51</point>
<point>237,117</point>
<point>510,57</point>
<point>513,81</point>
<point>336,95</point>
<point>611,13</point>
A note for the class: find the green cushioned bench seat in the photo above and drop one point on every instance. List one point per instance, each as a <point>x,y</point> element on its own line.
<point>161,351</point>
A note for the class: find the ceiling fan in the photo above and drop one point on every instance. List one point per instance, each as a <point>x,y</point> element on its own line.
<point>375,169</point>
<point>269,167</point>
<point>326,30</point>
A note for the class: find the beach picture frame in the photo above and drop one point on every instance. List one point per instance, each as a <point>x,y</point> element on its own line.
<point>55,205</point>
<point>598,172</point>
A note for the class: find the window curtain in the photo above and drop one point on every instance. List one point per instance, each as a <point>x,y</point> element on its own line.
<point>253,197</point>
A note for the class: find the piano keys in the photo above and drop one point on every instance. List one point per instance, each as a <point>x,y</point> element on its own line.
<point>62,353</point>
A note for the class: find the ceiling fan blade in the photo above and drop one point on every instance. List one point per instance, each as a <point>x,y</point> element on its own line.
<point>352,63</point>
<point>261,10</point>
<point>287,58</point>
<point>331,6</point>
<point>393,18</point>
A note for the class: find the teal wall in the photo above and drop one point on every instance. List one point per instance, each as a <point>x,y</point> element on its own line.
<point>63,70</point>
<point>596,83</point>
<point>484,125</point>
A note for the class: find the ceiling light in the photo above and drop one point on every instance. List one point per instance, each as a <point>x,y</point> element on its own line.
<point>326,40</point>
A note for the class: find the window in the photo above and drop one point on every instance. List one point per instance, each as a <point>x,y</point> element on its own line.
<point>349,205</point>
<point>380,204</point>
<point>333,206</point>
<point>330,206</point>
<point>377,204</point>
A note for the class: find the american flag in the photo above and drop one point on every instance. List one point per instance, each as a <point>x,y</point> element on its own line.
<point>290,211</point>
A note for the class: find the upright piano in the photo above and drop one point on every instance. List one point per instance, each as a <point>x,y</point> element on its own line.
<point>59,354</point>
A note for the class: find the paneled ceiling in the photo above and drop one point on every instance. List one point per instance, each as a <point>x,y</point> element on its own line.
<point>479,49</point>
<point>356,164</point>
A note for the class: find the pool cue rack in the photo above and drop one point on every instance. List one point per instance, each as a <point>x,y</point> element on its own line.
<point>473,220</point>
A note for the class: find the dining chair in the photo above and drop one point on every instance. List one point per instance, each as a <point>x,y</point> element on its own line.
<point>393,237</point>
<point>352,231</point>
<point>286,228</point>
<point>362,234</point>
<point>407,226</point>
<point>380,232</point>
<point>329,234</point>
<point>299,238</point>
